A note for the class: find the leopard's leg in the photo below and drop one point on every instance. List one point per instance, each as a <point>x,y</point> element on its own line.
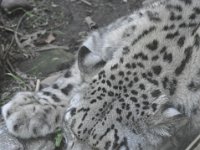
<point>34,114</point>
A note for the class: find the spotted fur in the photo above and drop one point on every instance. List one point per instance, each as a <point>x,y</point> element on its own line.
<point>135,83</point>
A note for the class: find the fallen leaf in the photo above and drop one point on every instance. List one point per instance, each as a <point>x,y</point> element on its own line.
<point>50,38</point>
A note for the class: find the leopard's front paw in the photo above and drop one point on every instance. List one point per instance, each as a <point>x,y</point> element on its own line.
<point>25,117</point>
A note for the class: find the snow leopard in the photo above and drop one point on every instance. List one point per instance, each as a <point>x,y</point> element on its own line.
<point>134,84</point>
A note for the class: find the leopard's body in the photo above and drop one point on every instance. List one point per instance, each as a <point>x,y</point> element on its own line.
<point>135,82</point>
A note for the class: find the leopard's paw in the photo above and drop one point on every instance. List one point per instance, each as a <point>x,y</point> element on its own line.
<point>25,117</point>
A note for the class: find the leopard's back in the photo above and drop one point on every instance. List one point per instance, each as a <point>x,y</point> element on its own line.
<point>152,77</point>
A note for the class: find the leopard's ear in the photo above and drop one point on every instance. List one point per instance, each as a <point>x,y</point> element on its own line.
<point>90,55</point>
<point>89,63</point>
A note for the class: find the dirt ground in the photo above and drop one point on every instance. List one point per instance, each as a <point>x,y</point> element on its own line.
<point>63,19</point>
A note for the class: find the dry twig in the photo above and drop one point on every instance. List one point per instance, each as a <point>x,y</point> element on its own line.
<point>86,2</point>
<point>16,30</point>
<point>37,87</point>
<point>9,30</point>
<point>92,25</point>
<point>50,47</point>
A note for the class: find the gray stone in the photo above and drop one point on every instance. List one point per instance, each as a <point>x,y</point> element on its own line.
<point>12,4</point>
<point>9,142</point>
<point>47,62</point>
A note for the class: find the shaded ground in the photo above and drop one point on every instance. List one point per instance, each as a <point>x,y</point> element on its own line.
<point>65,20</point>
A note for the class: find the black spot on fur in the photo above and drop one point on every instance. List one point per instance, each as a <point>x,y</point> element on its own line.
<point>128,73</point>
<point>153,16</point>
<point>163,50</point>
<point>169,85</point>
<point>183,25</point>
<point>192,25</point>
<point>144,96</point>
<point>133,99</point>
<point>110,93</point>
<point>154,58</point>
<point>196,10</point>
<point>187,2</point>
<point>55,98</point>
<point>121,73</point>
<point>172,35</point>
<point>8,114</point>
<point>68,74</point>
<point>154,106</point>
<point>130,84</point>
<point>119,111</point>
<point>134,92</point>
<point>155,82</point>
<point>128,65</point>
<point>107,145</point>
<point>174,17</point>
<point>137,105</point>
<point>120,82</point>
<point>93,92</point>
<point>172,87</point>
<point>142,87</point>
<point>168,27</point>
<point>156,93</point>
<point>164,82</point>
<point>136,79</point>
<point>181,41</point>
<point>145,102</point>
<point>140,55</point>
<point>145,107</point>
<point>181,67</point>
<point>47,110</point>
<point>192,16</point>
<point>35,131</point>
<point>126,50</point>
<point>112,77</point>
<point>46,93</point>
<point>144,33</point>
<point>153,45</point>
<point>193,86</point>
<point>167,57</point>
<point>150,74</point>
<point>93,101</point>
<point>188,25</point>
<point>129,115</point>
<point>121,60</point>
<point>67,89</point>
<point>99,98</point>
<point>157,69</point>
<point>55,86</point>
<point>140,65</point>
<point>133,65</point>
<point>73,111</point>
<point>115,87</point>
<point>114,67</point>
<point>197,41</point>
<point>174,7</point>
<point>57,119</point>
<point>15,127</point>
